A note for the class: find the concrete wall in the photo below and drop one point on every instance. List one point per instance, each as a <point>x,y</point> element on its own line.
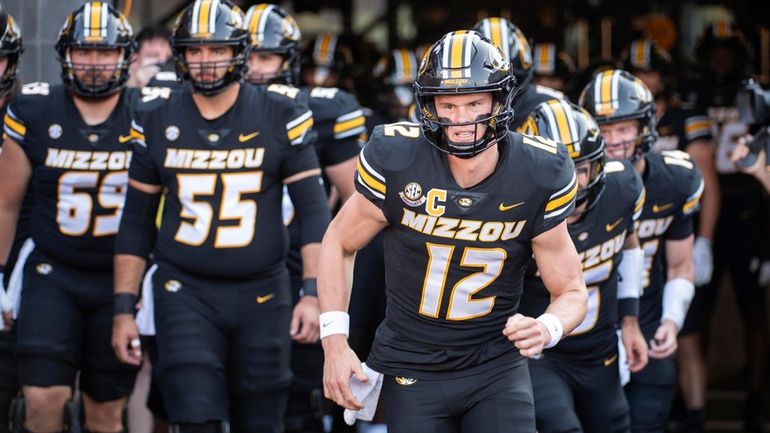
<point>40,21</point>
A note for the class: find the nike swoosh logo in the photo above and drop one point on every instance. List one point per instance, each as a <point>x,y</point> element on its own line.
<point>246,137</point>
<point>656,208</point>
<point>609,361</point>
<point>611,227</point>
<point>263,299</point>
<point>124,138</point>
<point>326,324</point>
<point>504,208</point>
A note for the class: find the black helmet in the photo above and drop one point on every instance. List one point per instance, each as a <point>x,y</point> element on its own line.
<point>325,55</point>
<point>550,61</point>
<point>616,95</point>
<point>464,62</point>
<point>10,47</point>
<point>566,123</point>
<point>725,35</point>
<point>646,55</point>
<point>272,30</point>
<point>512,42</point>
<point>396,73</point>
<point>95,25</point>
<point>211,22</point>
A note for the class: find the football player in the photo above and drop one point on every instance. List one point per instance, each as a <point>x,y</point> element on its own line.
<point>740,236</point>
<point>10,52</point>
<point>394,74</point>
<point>576,384</point>
<point>326,62</point>
<point>686,130</point>
<point>463,204</point>
<point>624,109</point>
<point>220,152</point>
<point>517,50</point>
<point>338,120</point>
<point>70,143</point>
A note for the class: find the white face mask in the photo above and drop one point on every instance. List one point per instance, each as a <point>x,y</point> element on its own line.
<point>320,74</point>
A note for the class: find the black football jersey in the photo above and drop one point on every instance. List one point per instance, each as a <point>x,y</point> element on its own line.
<point>80,173</point>
<point>599,236</point>
<point>339,123</point>
<point>678,127</point>
<point>223,178</point>
<point>455,257</point>
<point>674,187</point>
<point>525,102</point>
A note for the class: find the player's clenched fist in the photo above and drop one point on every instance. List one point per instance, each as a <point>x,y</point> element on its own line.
<point>527,334</point>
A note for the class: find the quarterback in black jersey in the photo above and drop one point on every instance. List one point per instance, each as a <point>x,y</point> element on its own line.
<point>70,143</point>
<point>516,48</point>
<point>10,52</point>
<point>220,152</point>
<point>338,120</point>
<point>463,203</point>
<point>624,108</point>
<point>577,386</point>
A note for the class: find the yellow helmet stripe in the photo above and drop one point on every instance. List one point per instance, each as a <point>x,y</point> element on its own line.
<point>721,29</point>
<point>496,32</point>
<point>324,48</point>
<point>560,121</point>
<point>545,58</point>
<point>605,92</point>
<point>254,17</point>
<point>641,53</point>
<point>525,52</point>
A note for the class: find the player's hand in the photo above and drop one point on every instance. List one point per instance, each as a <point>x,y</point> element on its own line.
<point>664,343</point>
<point>340,363</point>
<point>125,339</point>
<point>633,341</point>
<point>304,320</point>
<point>528,334</point>
<point>703,261</point>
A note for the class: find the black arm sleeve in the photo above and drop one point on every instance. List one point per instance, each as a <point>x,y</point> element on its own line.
<point>138,231</point>
<point>312,210</point>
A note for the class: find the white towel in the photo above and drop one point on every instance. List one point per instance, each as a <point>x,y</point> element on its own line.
<point>145,317</point>
<point>625,372</point>
<point>368,393</point>
<point>16,282</point>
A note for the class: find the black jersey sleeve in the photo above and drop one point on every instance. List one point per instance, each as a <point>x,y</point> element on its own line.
<point>339,121</point>
<point>554,172</point>
<point>696,127</point>
<point>21,113</point>
<point>691,185</point>
<point>292,129</point>
<point>371,178</point>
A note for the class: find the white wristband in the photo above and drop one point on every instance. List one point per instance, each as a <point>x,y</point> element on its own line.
<point>334,322</point>
<point>677,295</point>
<point>554,326</point>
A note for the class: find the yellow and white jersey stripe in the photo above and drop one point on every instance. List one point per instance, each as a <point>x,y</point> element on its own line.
<point>349,125</point>
<point>692,202</point>
<point>96,19</point>
<point>369,178</point>
<point>299,127</point>
<point>562,200</point>
<point>204,17</point>
<point>545,58</point>
<point>13,126</point>
<point>696,127</point>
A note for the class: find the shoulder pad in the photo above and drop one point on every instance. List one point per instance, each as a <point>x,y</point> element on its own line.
<point>395,145</point>
<point>547,91</point>
<point>332,104</point>
<point>543,158</point>
<point>150,98</point>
